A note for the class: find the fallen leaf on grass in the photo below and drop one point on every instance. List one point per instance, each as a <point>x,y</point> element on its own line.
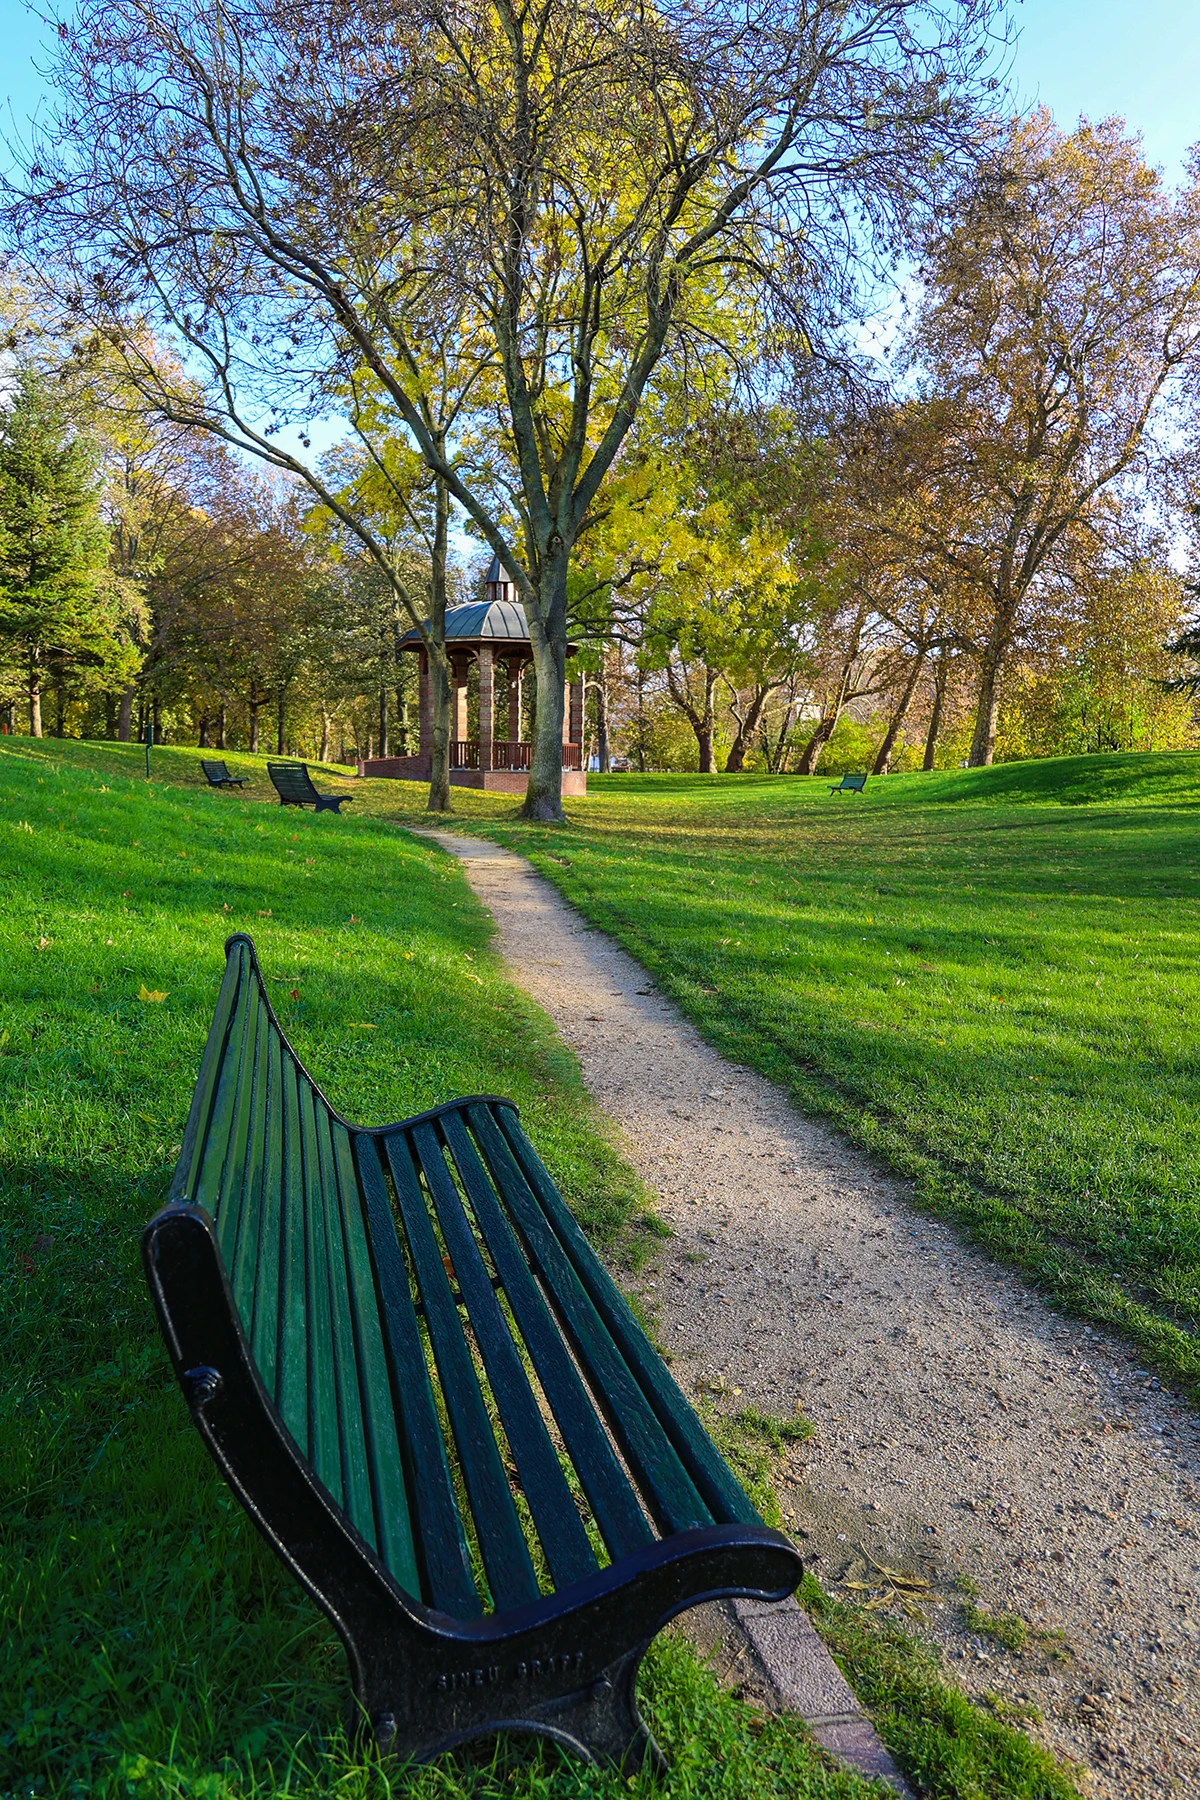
<point>265,915</point>
<point>470,977</point>
<point>44,943</point>
<point>356,1025</point>
<point>145,993</point>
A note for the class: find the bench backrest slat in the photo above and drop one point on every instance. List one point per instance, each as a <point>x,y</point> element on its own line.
<point>445,1558</point>
<point>698,1455</point>
<point>266,1274</point>
<point>555,1515</point>
<point>506,1559</point>
<point>384,1461</point>
<point>292,781</point>
<point>618,1514</point>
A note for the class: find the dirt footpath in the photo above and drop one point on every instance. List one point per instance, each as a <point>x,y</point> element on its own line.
<point>964,1430</point>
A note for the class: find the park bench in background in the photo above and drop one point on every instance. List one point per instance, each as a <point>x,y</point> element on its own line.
<point>293,783</point>
<point>435,1404</point>
<point>853,784</point>
<point>219,776</point>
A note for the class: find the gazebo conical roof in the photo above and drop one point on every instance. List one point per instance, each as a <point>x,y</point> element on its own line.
<point>492,622</point>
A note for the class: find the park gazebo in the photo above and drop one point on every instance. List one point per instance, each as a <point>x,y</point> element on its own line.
<point>491,633</point>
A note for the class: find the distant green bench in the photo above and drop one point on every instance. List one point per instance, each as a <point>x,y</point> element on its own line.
<point>294,785</point>
<point>435,1404</point>
<point>218,774</point>
<point>851,784</point>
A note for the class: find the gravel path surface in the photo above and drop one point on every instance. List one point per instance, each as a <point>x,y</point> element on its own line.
<point>964,1430</point>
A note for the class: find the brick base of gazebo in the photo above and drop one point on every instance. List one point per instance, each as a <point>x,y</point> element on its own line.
<point>494,781</point>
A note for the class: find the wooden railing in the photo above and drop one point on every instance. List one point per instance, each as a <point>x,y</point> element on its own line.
<point>507,755</point>
<point>464,754</point>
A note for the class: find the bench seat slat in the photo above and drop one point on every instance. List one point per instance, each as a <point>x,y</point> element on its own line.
<point>501,1541</point>
<point>559,1526</point>
<point>447,1583</point>
<point>699,1455</point>
<point>669,1491</point>
<point>620,1519</point>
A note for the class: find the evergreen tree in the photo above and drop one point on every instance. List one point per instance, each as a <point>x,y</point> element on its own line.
<point>53,543</point>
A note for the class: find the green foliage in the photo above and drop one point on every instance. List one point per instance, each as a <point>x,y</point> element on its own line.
<point>53,544</point>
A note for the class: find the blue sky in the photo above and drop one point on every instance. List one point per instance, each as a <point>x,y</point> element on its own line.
<point>1137,58</point>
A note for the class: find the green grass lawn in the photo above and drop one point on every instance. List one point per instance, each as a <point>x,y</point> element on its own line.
<point>989,976</point>
<point>153,1648</point>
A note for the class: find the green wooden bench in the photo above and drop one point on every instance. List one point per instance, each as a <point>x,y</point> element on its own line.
<point>435,1404</point>
<point>294,785</point>
<point>217,773</point>
<point>851,784</point>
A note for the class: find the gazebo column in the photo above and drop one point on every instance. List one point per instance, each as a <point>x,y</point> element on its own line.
<point>424,707</point>
<point>487,706</point>
<point>513,727</point>
<point>460,667</point>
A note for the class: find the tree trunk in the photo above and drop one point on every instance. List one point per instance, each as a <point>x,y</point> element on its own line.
<point>548,640</point>
<point>254,705</point>
<point>281,722</point>
<point>125,715</point>
<point>110,716</point>
<point>983,743</point>
<point>704,736</point>
<point>439,666</point>
<point>205,734</point>
<point>221,723</point>
<point>35,701</point>
<point>883,761</point>
<point>811,752</point>
<point>543,797</point>
<point>324,756</point>
<point>935,715</point>
<point>603,756</point>
<point>735,762</point>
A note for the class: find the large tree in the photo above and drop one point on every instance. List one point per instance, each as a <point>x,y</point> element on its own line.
<point>53,543</point>
<point>1059,318</point>
<point>571,189</point>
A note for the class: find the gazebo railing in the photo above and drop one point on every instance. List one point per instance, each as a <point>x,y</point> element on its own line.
<point>509,755</point>
<point>464,754</point>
